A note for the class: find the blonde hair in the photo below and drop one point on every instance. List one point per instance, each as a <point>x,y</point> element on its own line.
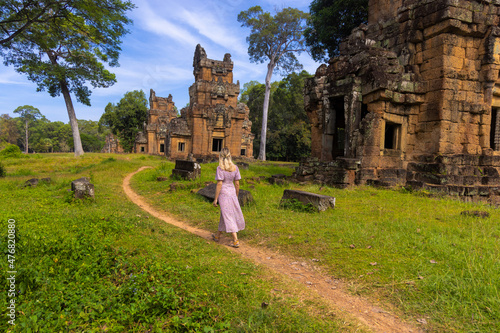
<point>225,161</point>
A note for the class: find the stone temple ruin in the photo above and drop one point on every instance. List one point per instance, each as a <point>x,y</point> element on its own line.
<point>413,99</point>
<point>213,120</point>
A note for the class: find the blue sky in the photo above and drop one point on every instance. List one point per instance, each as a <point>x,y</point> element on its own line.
<point>158,54</point>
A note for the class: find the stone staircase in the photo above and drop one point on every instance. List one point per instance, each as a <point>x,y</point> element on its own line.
<point>472,177</point>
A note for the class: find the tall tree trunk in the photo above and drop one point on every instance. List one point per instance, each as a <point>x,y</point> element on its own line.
<point>72,119</point>
<point>26,139</point>
<point>265,108</point>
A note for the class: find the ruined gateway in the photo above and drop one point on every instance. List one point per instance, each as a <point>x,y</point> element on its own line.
<point>213,120</point>
<point>413,99</point>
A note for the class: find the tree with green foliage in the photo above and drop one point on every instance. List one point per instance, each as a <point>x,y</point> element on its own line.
<point>45,145</point>
<point>68,50</point>
<point>28,115</point>
<point>17,16</point>
<point>289,127</point>
<point>62,137</point>
<point>289,131</point>
<point>253,96</point>
<point>246,91</point>
<point>126,118</point>
<point>330,22</point>
<point>38,132</point>
<point>274,39</point>
<point>57,132</point>
<point>8,129</point>
<point>93,138</point>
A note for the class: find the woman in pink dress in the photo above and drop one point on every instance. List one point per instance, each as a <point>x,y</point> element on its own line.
<point>228,187</point>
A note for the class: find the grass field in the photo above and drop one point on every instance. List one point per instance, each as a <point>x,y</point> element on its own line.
<point>105,265</point>
<point>414,251</point>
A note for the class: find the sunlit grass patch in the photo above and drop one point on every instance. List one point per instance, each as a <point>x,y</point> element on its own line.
<point>105,264</point>
<point>406,248</point>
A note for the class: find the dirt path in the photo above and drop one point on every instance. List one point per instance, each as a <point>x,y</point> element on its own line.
<point>333,291</point>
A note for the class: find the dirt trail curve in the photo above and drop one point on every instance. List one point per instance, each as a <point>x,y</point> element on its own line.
<point>333,291</point>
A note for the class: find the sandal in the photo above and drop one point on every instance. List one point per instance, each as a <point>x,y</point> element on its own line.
<point>235,244</point>
<point>215,238</point>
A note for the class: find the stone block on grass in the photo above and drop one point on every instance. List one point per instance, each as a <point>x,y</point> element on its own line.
<point>33,182</point>
<point>278,179</point>
<point>242,165</point>
<point>186,169</point>
<point>82,188</point>
<point>320,202</point>
<point>244,197</point>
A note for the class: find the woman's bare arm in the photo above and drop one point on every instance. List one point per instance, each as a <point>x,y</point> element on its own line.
<point>237,187</point>
<point>217,192</point>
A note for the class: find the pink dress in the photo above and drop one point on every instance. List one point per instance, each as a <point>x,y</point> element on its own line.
<point>231,217</point>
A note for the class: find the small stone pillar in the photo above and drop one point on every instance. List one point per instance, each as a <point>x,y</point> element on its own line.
<point>82,188</point>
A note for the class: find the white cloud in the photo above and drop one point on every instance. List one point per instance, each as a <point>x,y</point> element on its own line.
<point>150,20</point>
<point>214,29</point>
<point>245,71</point>
<point>9,76</point>
<point>144,74</point>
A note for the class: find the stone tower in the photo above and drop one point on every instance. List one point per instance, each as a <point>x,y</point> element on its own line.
<point>161,112</point>
<point>413,99</point>
<point>216,118</point>
<point>213,120</point>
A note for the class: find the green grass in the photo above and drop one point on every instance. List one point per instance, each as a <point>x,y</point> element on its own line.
<point>106,265</point>
<point>406,249</point>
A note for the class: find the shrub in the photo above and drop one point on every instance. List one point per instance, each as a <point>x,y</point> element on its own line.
<point>11,151</point>
<point>3,172</point>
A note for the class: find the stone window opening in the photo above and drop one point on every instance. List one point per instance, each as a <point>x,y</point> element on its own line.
<point>495,129</point>
<point>142,149</point>
<point>243,152</point>
<point>364,110</point>
<point>336,127</point>
<point>162,148</point>
<point>181,146</point>
<point>392,137</point>
<point>217,144</point>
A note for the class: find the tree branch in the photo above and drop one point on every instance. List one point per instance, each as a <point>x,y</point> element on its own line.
<point>30,21</point>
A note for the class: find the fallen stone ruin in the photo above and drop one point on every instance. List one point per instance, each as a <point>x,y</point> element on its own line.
<point>318,201</point>
<point>186,169</point>
<point>244,197</point>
